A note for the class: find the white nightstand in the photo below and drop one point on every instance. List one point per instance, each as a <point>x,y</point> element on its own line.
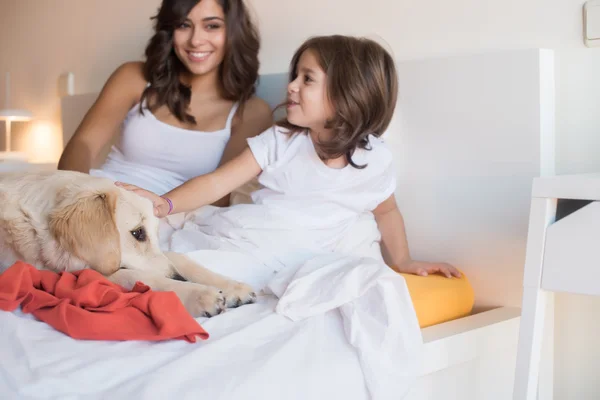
<point>563,248</point>
<point>6,167</point>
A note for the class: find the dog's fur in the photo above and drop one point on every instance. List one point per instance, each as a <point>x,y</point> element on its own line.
<point>66,221</point>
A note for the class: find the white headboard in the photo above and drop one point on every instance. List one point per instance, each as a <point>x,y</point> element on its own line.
<point>470,133</point>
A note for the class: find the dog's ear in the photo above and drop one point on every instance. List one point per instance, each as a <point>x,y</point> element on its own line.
<point>84,224</point>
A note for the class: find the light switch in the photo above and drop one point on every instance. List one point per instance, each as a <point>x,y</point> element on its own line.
<point>591,22</point>
<point>66,84</point>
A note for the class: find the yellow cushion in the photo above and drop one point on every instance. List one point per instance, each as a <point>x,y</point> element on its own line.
<point>439,299</point>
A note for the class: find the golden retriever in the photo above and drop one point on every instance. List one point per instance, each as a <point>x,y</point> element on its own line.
<point>65,221</point>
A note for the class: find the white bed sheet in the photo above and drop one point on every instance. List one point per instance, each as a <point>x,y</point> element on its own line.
<point>326,326</point>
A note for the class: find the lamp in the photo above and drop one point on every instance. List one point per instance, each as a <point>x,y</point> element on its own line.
<point>9,116</point>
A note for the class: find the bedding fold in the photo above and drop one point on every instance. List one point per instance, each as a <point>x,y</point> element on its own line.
<point>376,312</point>
<point>316,275</point>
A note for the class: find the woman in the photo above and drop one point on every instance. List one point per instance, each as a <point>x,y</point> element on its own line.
<point>185,110</point>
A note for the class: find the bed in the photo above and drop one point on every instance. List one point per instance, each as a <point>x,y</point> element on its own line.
<point>470,133</point>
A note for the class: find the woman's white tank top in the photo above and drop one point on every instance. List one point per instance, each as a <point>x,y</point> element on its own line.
<point>158,157</point>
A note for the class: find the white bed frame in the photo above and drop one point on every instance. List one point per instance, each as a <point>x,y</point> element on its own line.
<point>470,134</point>
<point>562,245</point>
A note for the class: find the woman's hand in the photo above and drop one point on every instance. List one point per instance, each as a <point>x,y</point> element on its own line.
<point>161,205</point>
<point>423,268</point>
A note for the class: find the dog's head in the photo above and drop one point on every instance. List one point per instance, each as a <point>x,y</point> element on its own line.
<point>109,228</point>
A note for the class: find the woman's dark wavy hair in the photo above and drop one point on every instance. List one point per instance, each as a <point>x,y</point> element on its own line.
<point>362,87</point>
<point>238,72</point>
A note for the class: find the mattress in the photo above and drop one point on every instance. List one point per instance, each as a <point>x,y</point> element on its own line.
<point>439,299</point>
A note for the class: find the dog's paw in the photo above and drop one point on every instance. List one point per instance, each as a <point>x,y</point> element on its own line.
<point>202,301</point>
<point>237,294</point>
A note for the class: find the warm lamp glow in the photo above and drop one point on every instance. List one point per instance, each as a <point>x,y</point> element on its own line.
<point>44,142</point>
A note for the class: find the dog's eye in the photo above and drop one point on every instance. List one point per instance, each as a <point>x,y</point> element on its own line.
<point>139,234</point>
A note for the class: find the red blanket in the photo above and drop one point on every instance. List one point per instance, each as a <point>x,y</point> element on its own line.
<point>85,305</point>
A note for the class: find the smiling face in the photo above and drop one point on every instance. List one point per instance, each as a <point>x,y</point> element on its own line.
<point>308,103</point>
<point>200,41</point>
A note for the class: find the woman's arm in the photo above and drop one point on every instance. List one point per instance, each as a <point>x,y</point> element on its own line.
<point>255,119</point>
<point>395,246</point>
<point>121,92</point>
<point>204,189</point>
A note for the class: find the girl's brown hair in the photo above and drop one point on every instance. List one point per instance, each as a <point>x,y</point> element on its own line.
<point>238,71</point>
<point>362,87</point>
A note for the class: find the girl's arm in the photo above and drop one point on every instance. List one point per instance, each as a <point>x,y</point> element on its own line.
<point>204,189</point>
<point>395,246</point>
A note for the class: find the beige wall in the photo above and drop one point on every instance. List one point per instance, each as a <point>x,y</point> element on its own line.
<point>39,40</point>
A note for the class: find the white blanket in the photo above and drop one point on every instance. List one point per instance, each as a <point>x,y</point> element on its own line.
<point>328,325</point>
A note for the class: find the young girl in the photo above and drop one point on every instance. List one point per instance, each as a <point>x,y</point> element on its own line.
<point>324,166</point>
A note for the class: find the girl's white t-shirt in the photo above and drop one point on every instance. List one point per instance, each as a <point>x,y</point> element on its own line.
<point>311,194</point>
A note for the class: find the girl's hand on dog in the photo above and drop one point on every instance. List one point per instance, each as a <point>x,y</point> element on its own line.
<point>161,205</point>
